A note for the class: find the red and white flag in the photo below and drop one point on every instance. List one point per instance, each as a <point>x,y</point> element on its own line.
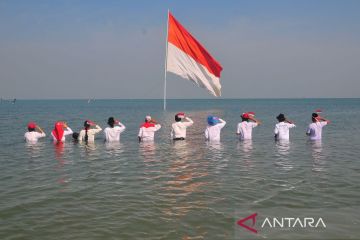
<point>189,59</point>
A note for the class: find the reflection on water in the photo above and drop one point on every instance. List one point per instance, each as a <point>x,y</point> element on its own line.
<point>282,155</point>
<point>215,152</point>
<point>246,149</point>
<point>147,151</point>
<point>114,148</point>
<point>185,179</point>
<point>35,150</point>
<point>59,156</point>
<point>317,155</point>
<point>89,151</point>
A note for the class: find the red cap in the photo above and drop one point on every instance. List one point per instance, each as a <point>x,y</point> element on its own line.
<point>90,122</point>
<point>180,114</point>
<point>245,115</point>
<point>251,113</point>
<point>31,125</point>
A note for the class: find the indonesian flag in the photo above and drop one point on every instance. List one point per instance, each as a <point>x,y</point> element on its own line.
<point>189,59</point>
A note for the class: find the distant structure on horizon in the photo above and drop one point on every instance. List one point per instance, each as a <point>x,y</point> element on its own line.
<point>13,101</point>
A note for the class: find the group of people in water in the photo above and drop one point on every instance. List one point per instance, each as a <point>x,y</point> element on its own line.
<point>178,129</point>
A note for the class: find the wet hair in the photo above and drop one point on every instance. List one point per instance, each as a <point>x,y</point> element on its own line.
<point>177,119</point>
<point>280,117</point>
<point>314,116</point>
<point>87,126</point>
<point>111,122</point>
<point>75,136</point>
<point>31,129</point>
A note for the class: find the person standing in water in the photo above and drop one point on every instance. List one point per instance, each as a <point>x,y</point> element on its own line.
<point>244,128</point>
<point>32,135</point>
<point>178,128</point>
<point>88,133</point>
<point>147,129</point>
<point>213,130</point>
<point>59,132</point>
<point>314,130</point>
<point>281,130</point>
<point>112,133</point>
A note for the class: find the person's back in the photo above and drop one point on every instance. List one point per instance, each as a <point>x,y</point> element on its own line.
<point>88,134</point>
<point>32,136</point>
<point>213,130</point>
<point>178,129</point>
<point>281,130</point>
<point>244,128</point>
<point>147,129</point>
<point>112,133</point>
<point>61,130</point>
<point>314,130</point>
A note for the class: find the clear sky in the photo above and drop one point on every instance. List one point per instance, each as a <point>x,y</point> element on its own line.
<point>116,49</point>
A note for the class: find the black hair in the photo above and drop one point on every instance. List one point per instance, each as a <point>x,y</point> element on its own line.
<point>31,129</point>
<point>177,119</point>
<point>87,126</point>
<point>244,119</point>
<point>280,117</point>
<point>314,116</point>
<point>111,122</point>
<point>75,136</point>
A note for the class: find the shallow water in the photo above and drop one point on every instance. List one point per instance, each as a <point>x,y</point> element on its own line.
<point>182,190</point>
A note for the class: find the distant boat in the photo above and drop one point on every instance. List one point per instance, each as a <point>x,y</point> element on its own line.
<point>89,101</point>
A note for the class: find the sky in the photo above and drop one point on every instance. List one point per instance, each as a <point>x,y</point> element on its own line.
<point>116,49</point>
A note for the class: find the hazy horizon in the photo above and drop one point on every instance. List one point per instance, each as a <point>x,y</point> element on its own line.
<point>116,50</point>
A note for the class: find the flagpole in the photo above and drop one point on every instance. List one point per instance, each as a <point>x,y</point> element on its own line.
<point>166,56</point>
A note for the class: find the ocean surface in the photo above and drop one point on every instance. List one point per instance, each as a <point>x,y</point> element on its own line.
<point>183,190</point>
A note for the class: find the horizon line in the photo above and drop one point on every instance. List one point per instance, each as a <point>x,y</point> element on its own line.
<point>258,98</point>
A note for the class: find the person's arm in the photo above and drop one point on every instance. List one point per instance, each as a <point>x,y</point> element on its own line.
<point>258,122</point>
<point>121,127</point>
<point>42,133</point>
<point>308,131</point>
<point>97,129</point>
<point>81,135</point>
<point>188,122</point>
<point>238,129</point>
<point>68,131</point>
<point>157,127</point>
<point>276,131</point>
<point>323,120</point>
<point>221,123</point>
<point>140,134</point>
<point>172,133</point>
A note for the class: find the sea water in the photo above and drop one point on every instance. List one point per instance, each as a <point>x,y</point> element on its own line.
<point>183,190</point>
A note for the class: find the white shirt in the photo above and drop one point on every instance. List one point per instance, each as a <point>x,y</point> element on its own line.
<point>282,130</point>
<point>32,137</point>
<point>212,133</point>
<point>67,131</point>
<point>91,134</point>
<point>113,134</point>
<point>315,129</point>
<point>244,129</point>
<point>178,129</point>
<point>147,134</point>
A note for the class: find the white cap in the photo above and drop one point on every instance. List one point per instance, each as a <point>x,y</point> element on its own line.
<point>148,118</point>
